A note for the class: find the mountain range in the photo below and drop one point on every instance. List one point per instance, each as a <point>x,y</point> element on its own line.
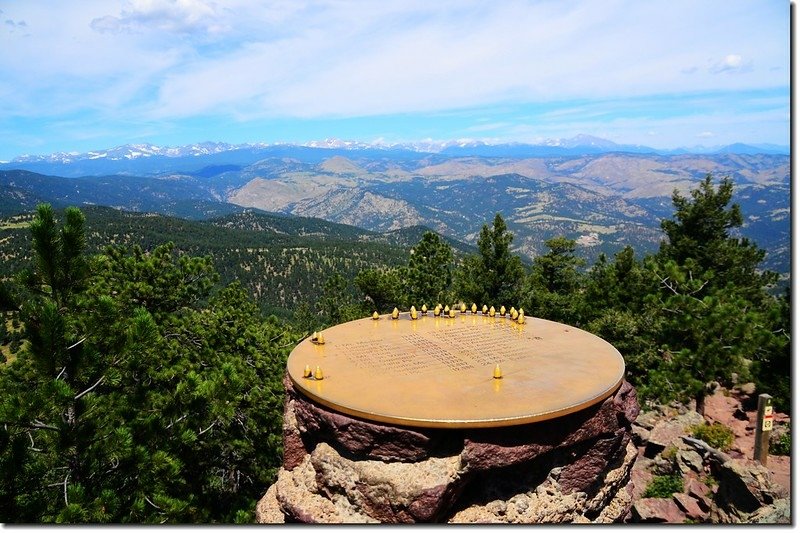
<point>603,195</point>
<point>580,144</point>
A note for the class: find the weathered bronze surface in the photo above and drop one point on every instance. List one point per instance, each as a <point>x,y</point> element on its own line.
<point>440,371</point>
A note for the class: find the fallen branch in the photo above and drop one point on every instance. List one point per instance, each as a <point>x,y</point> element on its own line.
<point>715,455</point>
<point>33,444</point>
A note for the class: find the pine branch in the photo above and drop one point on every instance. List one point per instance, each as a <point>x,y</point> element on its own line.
<point>176,421</point>
<point>668,285</point>
<point>76,344</point>
<point>151,503</point>
<point>700,288</point>
<point>38,424</point>
<point>782,330</point>
<point>66,479</point>
<point>90,389</point>
<point>214,423</point>
<point>33,444</point>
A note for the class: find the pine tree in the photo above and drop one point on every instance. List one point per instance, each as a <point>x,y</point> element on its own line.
<point>702,229</point>
<point>428,275</point>
<point>711,294</point>
<point>337,304</point>
<point>620,284</point>
<point>772,353</point>
<point>614,307</point>
<point>145,395</point>
<point>706,334</point>
<point>50,387</point>
<point>552,290</point>
<point>494,275</point>
<point>697,311</point>
<point>382,288</point>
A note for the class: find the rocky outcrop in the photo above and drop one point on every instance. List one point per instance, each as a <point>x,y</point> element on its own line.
<point>657,510</point>
<point>340,469</point>
<point>525,500</point>
<point>690,507</point>
<point>668,432</point>
<point>719,486</point>
<point>778,512</point>
<point>745,488</point>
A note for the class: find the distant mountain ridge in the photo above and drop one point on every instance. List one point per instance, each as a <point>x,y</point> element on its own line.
<point>580,144</point>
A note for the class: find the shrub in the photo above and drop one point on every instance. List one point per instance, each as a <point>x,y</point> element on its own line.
<point>670,452</point>
<point>783,446</point>
<point>709,481</point>
<point>716,435</point>
<point>664,486</point>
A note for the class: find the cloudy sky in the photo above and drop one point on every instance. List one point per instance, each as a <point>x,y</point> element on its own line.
<point>89,74</point>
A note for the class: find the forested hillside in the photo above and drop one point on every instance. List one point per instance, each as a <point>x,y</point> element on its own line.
<point>281,261</point>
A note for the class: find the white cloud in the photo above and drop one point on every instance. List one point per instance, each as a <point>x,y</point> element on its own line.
<point>179,16</point>
<point>106,24</point>
<point>362,59</point>
<point>731,63</point>
<point>242,59</point>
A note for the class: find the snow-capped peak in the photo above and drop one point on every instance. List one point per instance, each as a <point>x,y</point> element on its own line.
<point>131,151</point>
<point>334,143</point>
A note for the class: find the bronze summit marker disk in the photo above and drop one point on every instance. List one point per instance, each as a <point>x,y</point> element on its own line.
<point>467,371</point>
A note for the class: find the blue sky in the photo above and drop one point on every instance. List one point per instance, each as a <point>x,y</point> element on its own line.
<point>84,75</point>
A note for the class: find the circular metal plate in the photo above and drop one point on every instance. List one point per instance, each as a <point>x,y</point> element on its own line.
<point>439,372</point>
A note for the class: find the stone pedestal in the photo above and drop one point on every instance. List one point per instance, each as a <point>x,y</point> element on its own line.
<point>340,469</point>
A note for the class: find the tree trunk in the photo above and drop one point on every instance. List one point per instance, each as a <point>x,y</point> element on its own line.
<point>700,400</point>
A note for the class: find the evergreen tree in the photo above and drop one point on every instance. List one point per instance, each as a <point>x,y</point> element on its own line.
<point>711,294</point>
<point>706,335</point>
<point>552,290</point>
<point>619,285</point>
<point>772,355</point>
<point>702,229</point>
<point>46,394</point>
<point>697,311</point>
<point>384,289</point>
<point>428,276</point>
<point>337,304</point>
<point>614,308</point>
<point>635,335</point>
<point>305,319</point>
<point>494,276</point>
<point>143,396</point>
